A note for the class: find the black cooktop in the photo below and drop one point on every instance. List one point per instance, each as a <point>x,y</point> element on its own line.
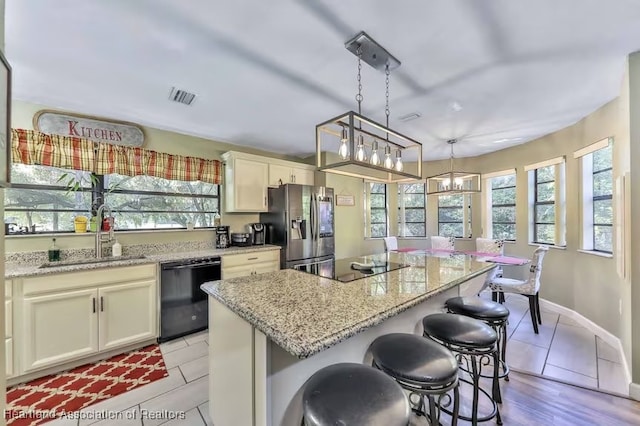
<point>344,269</point>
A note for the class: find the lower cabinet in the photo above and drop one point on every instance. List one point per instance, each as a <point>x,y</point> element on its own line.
<point>59,327</point>
<point>61,322</point>
<point>127,314</point>
<point>242,265</point>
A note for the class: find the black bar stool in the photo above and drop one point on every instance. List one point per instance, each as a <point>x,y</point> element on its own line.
<point>353,394</point>
<point>472,341</point>
<point>492,313</point>
<point>422,367</point>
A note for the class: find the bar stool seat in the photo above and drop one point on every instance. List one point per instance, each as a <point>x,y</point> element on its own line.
<point>458,330</point>
<point>423,367</point>
<point>477,308</point>
<point>353,394</point>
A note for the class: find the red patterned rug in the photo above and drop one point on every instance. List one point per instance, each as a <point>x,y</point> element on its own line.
<point>44,399</point>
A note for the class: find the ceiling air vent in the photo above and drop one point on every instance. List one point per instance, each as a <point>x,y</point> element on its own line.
<point>182,96</point>
<point>410,117</point>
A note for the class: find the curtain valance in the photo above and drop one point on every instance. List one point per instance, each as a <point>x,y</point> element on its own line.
<point>70,152</point>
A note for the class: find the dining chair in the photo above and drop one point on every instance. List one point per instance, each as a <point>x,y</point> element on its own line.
<point>445,243</point>
<point>489,245</point>
<point>390,244</point>
<point>529,287</point>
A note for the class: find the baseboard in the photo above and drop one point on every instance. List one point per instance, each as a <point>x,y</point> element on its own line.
<point>634,391</point>
<point>605,335</point>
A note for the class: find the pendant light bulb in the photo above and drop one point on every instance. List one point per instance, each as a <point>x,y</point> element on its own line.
<point>361,154</point>
<point>399,166</point>
<point>388,161</point>
<point>375,158</point>
<point>343,151</point>
<point>445,183</point>
<point>457,182</point>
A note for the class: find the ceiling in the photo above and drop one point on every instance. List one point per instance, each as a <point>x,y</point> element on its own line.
<point>491,73</point>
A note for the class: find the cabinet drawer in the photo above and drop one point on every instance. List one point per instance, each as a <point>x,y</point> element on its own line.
<point>96,277</point>
<point>250,269</point>
<point>8,351</point>
<point>231,260</point>
<point>8,318</point>
<point>261,268</point>
<point>7,289</point>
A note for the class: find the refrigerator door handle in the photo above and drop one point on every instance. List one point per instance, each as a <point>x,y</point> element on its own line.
<point>313,218</point>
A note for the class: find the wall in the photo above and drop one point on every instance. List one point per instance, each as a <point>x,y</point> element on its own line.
<point>634,156</point>
<point>157,140</point>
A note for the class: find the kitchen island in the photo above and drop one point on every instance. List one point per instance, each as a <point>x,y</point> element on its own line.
<point>269,333</point>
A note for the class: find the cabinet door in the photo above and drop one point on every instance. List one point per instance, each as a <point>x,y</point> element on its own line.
<point>250,185</point>
<point>261,268</point>
<point>8,356</point>
<point>303,176</point>
<point>59,327</point>
<point>127,313</point>
<point>236,271</point>
<point>279,175</point>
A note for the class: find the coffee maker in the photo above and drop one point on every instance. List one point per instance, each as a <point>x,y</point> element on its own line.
<point>222,237</point>
<point>258,233</point>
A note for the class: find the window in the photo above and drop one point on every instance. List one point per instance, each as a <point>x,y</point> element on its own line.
<point>597,194</point>
<point>376,196</point>
<point>499,220</point>
<point>546,202</point>
<point>37,198</point>
<point>544,206</point>
<point>454,216</point>
<point>411,210</point>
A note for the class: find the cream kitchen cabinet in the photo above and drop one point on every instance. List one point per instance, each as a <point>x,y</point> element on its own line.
<point>59,327</point>
<point>280,174</point>
<point>65,317</point>
<point>242,265</point>
<point>245,184</point>
<point>8,328</point>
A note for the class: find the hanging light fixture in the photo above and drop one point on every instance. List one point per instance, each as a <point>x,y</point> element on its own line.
<point>453,182</point>
<point>352,136</point>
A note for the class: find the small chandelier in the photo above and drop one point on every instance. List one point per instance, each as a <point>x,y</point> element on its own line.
<point>453,182</point>
<point>354,145</point>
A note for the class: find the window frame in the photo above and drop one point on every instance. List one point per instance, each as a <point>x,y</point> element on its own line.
<point>559,201</point>
<point>98,193</point>
<point>466,215</point>
<point>491,205</point>
<point>402,208</point>
<point>537,203</point>
<point>367,209</point>
<point>595,198</point>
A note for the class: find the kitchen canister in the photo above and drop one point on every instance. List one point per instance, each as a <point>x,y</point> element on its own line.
<point>80,223</point>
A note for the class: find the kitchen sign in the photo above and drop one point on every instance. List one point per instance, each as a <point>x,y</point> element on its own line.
<point>97,130</point>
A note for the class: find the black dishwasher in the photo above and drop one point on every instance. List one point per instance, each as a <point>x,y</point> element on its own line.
<point>183,305</point>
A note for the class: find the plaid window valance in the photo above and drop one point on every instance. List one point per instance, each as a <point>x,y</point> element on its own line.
<point>69,152</point>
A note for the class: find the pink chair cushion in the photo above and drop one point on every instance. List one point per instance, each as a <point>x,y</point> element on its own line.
<point>507,260</point>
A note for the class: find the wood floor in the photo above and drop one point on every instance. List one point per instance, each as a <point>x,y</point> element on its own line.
<point>532,400</point>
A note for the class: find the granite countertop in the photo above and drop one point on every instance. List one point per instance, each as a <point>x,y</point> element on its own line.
<point>16,270</point>
<point>306,314</point>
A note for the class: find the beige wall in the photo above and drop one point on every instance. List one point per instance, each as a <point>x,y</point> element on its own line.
<point>632,112</point>
<point>157,140</point>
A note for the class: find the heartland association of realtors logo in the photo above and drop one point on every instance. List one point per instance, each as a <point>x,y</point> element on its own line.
<point>113,132</point>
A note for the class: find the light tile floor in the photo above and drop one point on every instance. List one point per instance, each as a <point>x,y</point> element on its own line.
<point>185,390</point>
<point>563,350</point>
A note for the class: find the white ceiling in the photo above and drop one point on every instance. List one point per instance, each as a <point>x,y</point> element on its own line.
<point>266,72</point>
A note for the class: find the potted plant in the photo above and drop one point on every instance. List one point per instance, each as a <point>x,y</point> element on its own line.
<point>75,182</point>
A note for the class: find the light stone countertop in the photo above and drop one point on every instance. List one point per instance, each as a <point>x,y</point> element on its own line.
<point>306,314</point>
<point>18,270</point>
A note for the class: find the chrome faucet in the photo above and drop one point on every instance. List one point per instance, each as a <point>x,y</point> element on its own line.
<point>100,236</point>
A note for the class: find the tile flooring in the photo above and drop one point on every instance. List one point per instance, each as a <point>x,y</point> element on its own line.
<point>562,350</point>
<point>186,389</point>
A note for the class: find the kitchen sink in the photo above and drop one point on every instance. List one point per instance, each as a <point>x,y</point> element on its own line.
<point>90,261</point>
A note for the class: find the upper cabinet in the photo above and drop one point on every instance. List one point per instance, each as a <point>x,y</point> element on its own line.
<point>247,178</point>
<point>280,174</point>
<point>245,183</point>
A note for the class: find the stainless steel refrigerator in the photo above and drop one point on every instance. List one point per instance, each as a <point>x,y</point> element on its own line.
<point>300,220</point>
